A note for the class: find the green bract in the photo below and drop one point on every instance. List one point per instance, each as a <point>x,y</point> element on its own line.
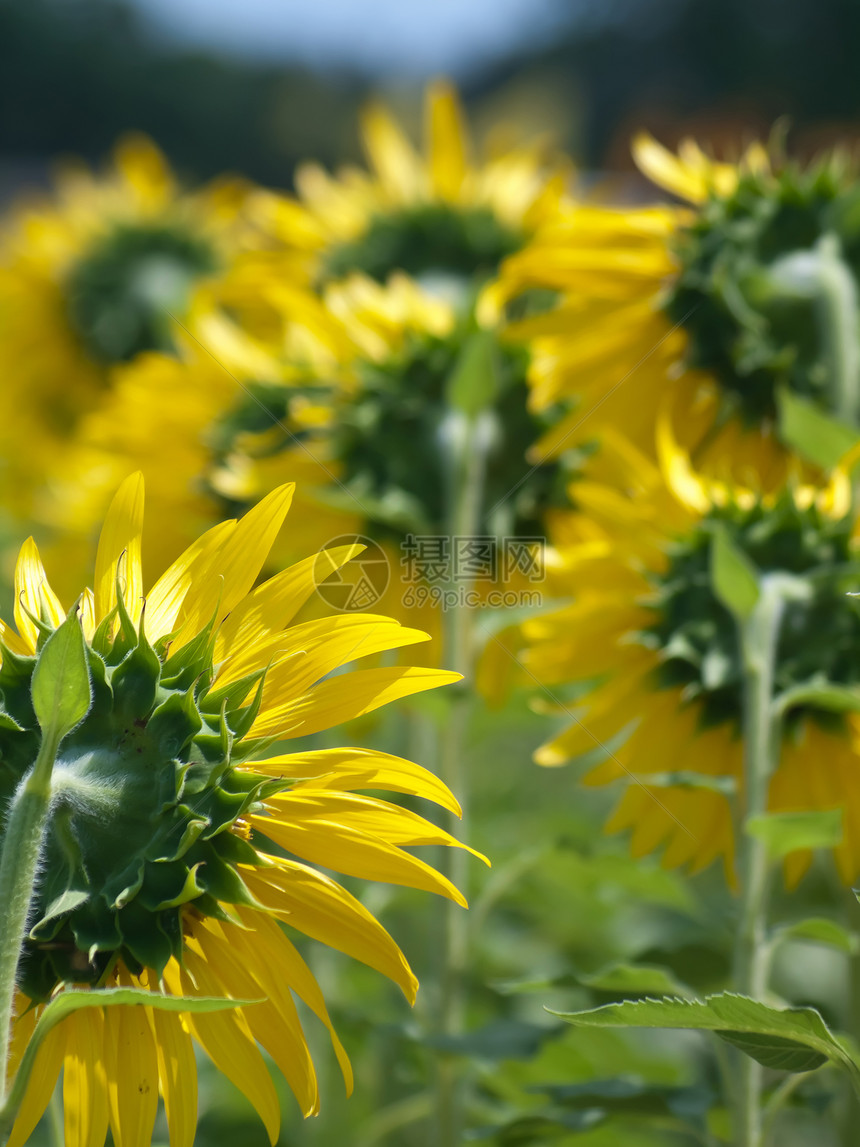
<point>748,324</point>
<point>388,436</point>
<point>697,636</point>
<point>144,795</point>
<point>426,239</point>
<point>121,293</point>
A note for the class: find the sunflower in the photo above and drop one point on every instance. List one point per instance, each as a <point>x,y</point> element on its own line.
<point>183,864</point>
<point>382,401</point>
<point>89,278</point>
<point>171,417</point>
<point>657,661</point>
<point>440,213</point>
<point>705,300</point>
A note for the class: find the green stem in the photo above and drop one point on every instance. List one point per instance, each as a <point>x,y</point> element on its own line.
<point>840,326</point>
<point>23,833</point>
<point>55,1119</point>
<point>467,454</point>
<point>759,634</point>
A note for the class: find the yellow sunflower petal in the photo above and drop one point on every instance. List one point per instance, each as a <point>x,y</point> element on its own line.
<point>354,853</point>
<point>177,1073</point>
<point>132,1075</point>
<point>85,1095</point>
<point>46,1069</point>
<point>347,769</point>
<point>118,551</point>
<point>33,595</point>
<point>230,572</point>
<point>391,154</point>
<point>164,600</point>
<point>346,697</point>
<point>317,906</point>
<point>281,963</point>
<point>446,133</point>
<point>227,1040</point>
<point>274,1022</point>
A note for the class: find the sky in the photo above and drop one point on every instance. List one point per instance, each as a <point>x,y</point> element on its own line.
<point>408,37</point>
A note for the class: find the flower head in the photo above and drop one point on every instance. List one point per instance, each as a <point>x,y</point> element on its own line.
<point>722,303</point>
<point>437,213</point>
<point>89,278</point>
<point>657,655</point>
<point>158,867</point>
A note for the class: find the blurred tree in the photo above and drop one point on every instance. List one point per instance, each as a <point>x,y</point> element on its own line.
<point>718,67</point>
<point>75,74</point>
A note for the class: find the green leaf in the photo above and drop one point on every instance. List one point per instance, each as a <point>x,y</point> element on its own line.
<point>687,779</point>
<point>635,980</point>
<point>474,383</point>
<point>71,1001</point>
<point>817,436</point>
<point>785,832</point>
<point>820,695</point>
<point>793,1039</point>
<point>61,689</point>
<point>733,576</point>
<point>821,931</point>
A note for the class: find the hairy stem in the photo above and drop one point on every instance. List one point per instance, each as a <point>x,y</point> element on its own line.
<point>23,833</point>
<point>759,635</point>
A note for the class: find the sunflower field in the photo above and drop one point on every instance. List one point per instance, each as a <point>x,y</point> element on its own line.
<point>449,520</point>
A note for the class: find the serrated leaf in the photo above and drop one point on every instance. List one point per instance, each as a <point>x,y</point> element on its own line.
<point>793,1039</point>
<point>733,576</point>
<point>61,688</point>
<point>818,437</point>
<point>775,1052</point>
<point>785,832</point>
<point>820,930</point>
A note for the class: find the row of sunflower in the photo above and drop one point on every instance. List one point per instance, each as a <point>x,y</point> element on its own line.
<point>436,350</point>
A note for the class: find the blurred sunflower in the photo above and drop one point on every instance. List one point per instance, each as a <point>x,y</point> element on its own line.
<point>440,213</point>
<point>90,278</point>
<point>382,401</point>
<point>171,416</point>
<point>158,867</point>
<point>657,659</point>
<point>724,302</point>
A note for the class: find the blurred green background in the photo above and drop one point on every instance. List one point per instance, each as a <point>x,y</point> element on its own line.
<point>255,87</point>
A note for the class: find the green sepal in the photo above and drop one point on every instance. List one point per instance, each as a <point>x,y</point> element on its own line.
<point>167,844</point>
<point>223,809</point>
<point>241,721</point>
<point>235,850</point>
<point>101,640</point>
<point>219,879</point>
<point>144,938</point>
<point>95,928</point>
<point>126,636</point>
<point>167,884</point>
<point>135,681</point>
<point>8,722</point>
<point>183,668</point>
<point>174,723</point>
<point>52,920</point>
<point>231,695</point>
